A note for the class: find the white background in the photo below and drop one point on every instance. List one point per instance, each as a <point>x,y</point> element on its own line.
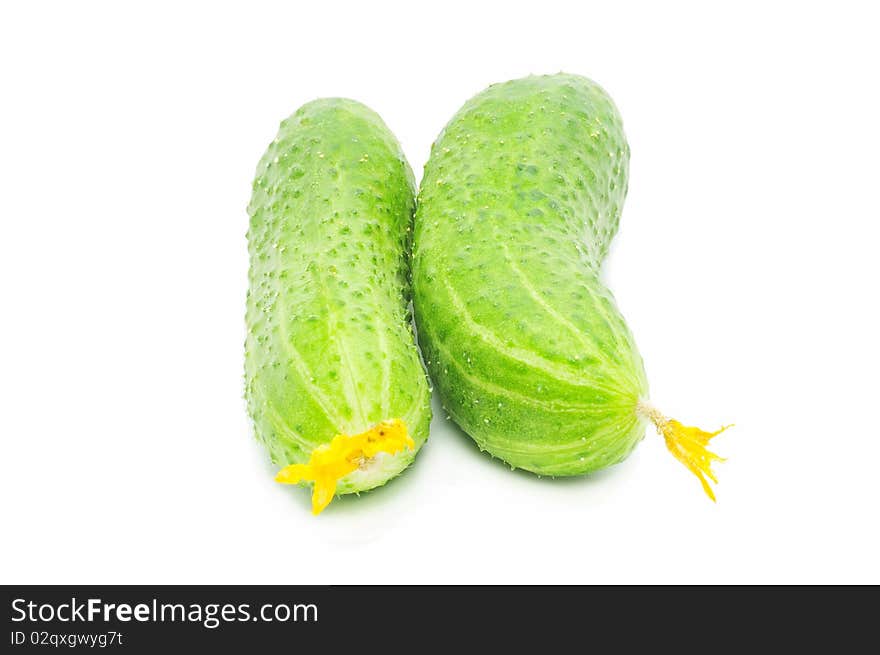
<point>746,265</point>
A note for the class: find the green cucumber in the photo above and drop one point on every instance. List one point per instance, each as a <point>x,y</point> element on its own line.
<point>330,350</point>
<point>519,202</point>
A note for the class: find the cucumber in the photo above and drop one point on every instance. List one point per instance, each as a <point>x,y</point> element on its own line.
<point>333,378</point>
<point>518,205</point>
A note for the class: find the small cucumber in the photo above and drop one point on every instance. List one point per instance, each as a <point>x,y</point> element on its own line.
<point>334,382</point>
<point>519,202</point>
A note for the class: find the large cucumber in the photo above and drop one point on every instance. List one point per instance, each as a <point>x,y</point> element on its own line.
<point>520,199</point>
<point>334,382</point>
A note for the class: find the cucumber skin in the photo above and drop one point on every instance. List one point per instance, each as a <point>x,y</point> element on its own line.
<point>330,347</point>
<point>519,202</point>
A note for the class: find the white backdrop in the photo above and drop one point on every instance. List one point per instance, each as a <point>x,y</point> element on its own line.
<point>746,265</point>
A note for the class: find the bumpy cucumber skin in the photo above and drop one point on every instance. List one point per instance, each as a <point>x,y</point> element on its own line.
<point>330,347</point>
<point>519,202</point>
